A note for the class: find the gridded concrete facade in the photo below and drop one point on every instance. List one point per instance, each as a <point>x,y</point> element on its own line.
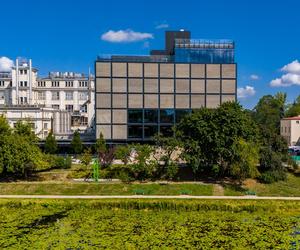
<point>135,100</point>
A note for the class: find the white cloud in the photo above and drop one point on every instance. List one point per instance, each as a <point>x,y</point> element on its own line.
<point>123,36</point>
<point>245,92</point>
<point>162,26</point>
<point>254,77</point>
<point>293,67</point>
<point>292,76</point>
<point>5,64</point>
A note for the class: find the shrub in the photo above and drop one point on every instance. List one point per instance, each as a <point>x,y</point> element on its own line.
<point>122,172</point>
<point>271,166</point>
<point>172,170</point>
<point>123,153</point>
<point>59,162</point>
<point>269,177</point>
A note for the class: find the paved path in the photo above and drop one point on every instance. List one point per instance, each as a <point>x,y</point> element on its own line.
<point>218,190</point>
<point>246,197</point>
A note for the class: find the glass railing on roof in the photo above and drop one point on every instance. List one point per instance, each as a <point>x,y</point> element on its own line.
<point>135,58</point>
<point>204,43</point>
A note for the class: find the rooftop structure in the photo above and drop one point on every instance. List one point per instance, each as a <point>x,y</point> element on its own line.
<point>180,48</point>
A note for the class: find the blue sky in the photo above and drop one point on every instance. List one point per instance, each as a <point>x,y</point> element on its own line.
<point>66,35</point>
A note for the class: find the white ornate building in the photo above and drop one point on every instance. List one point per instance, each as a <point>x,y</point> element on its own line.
<point>63,102</point>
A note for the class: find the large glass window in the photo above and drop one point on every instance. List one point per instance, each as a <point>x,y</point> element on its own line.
<point>167,115</point>
<point>135,116</point>
<point>180,113</point>
<point>135,131</point>
<point>150,131</point>
<point>150,115</point>
<point>166,131</point>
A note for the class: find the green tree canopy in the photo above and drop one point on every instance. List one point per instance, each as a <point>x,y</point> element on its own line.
<point>76,143</point>
<point>50,144</point>
<point>4,126</point>
<point>293,109</point>
<point>24,128</point>
<point>209,136</point>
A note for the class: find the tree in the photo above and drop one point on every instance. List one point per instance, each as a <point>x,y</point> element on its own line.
<point>50,144</point>
<point>105,153</point>
<point>169,151</point>
<point>142,168</point>
<point>24,128</point>
<point>245,161</point>
<point>267,113</point>
<point>86,157</point>
<point>123,153</point>
<point>4,126</point>
<point>293,109</point>
<point>18,156</point>
<point>76,143</point>
<point>19,153</point>
<point>271,166</point>
<point>209,136</point>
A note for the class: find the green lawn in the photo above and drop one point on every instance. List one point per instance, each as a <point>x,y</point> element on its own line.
<point>290,187</point>
<point>67,188</point>
<point>151,224</point>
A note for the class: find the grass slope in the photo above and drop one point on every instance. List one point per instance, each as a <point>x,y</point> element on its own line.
<point>67,188</point>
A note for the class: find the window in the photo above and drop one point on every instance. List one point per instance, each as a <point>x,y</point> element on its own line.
<point>21,71</point>
<point>77,121</point>
<point>83,83</point>
<point>23,100</point>
<point>21,84</point>
<point>167,115</point>
<point>41,95</point>
<point>150,131</point>
<point>166,131</point>
<point>25,83</point>
<point>1,83</point>
<point>55,95</point>
<point>151,116</point>
<point>83,96</point>
<point>69,95</point>
<point>297,122</point>
<point>83,109</point>
<point>135,131</point>
<point>69,84</point>
<point>135,116</point>
<point>55,106</point>
<point>41,84</point>
<point>25,71</point>
<point>45,125</point>
<point>55,83</point>
<point>69,108</point>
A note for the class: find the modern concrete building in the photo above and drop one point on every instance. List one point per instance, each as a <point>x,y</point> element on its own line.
<point>63,102</point>
<point>138,96</point>
<point>290,130</point>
